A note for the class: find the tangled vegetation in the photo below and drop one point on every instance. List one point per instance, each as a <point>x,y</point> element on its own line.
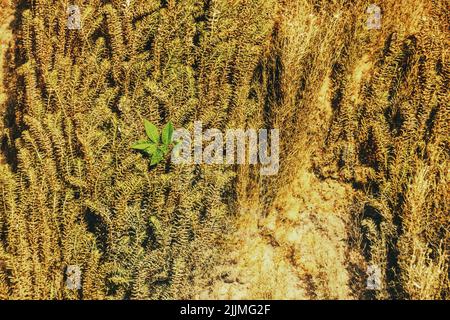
<point>368,108</point>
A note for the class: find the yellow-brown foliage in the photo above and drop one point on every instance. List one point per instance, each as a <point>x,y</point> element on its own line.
<point>76,194</point>
<point>364,107</point>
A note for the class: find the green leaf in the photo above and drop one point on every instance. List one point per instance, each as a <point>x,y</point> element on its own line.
<point>164,148</point>
<point>141,145</point>
<point>156,157</point>
<point>151,149</point>
<point>167,133</point>
<point>152,131</point>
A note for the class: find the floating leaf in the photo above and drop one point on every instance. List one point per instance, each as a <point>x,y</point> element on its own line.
<point>164,148</point>
<point>151,149</point>
<point>152,131</point>
<point>156,157</point>
<point>141,145</point>
<point>167,133</point>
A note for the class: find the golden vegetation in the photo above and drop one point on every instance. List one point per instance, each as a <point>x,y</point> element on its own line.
<point>298,251</point>
<point>364,149</point>
<point>74,193</point>
<point>391,141</point>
